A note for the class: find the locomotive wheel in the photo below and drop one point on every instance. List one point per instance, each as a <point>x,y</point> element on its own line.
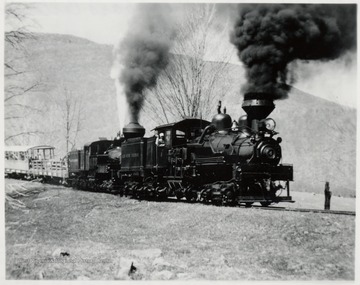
<point>227,198</point>
<point>150,193</point>
<point>160,194</point>
<point>191,197</point>
<point>161,197</point>
<point>265,204</point>
<point>204,197</point>
<point>178,194</point>
<point>216,201</point>
<point>135,193</point>
<point>156,193</point>
<point>248,204</point>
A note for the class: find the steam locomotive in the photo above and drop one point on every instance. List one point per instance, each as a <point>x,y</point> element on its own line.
<point>220,162</point>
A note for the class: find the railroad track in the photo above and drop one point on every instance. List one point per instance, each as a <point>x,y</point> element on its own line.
<point>273,208</point>
<point>348,213</point>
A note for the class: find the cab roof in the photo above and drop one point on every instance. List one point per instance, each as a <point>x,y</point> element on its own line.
<point>185,124</point>
<point>96,142</point>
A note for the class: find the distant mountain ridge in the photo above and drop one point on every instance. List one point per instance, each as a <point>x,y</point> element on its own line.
<point>319,136</point>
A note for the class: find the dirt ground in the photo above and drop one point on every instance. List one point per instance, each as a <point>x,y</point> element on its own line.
<point>61,233</point>
<point>316,201</point>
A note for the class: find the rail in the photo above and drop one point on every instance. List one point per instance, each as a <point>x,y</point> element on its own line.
<point>349,213</point>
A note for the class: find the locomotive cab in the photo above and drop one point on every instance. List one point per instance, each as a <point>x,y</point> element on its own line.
<point>182,132</point>
<point>173,136</point>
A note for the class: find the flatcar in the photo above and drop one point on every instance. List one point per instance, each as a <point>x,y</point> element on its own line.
<point>32,162</point>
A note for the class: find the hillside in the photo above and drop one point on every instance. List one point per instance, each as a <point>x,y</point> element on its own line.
<point>319,136</point>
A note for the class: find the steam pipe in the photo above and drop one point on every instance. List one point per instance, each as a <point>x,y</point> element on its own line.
<point>207,129</point>
<point>255,125</point>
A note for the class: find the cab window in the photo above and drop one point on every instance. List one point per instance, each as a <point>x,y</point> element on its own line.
<point>180,134</point>
<point>180,137</point>
<point>168,138</point>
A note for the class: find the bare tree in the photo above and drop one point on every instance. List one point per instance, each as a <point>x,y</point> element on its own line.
<point>20,79</point>
<point>17,24</point>
<point>71,114</point>
<point>192,81</point>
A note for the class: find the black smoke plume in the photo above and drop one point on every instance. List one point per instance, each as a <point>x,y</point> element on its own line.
<point>144,53</point>
<point>270,36</point>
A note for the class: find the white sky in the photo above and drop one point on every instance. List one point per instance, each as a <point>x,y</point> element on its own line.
<point>107,23</point>
<point>100,22</point>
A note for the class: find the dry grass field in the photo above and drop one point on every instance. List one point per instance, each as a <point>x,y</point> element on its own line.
<point>61,233</point>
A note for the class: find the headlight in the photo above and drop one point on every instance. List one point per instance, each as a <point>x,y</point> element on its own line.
<point>268,152</point>
<point>269,124</point>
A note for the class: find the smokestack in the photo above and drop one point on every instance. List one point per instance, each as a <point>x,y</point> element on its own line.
<point>257,107</point>
<point>133,130</point>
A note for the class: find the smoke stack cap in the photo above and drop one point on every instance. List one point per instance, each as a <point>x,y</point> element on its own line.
<point>133,130</point>
<point>222,122</point>
<point>257,105</point>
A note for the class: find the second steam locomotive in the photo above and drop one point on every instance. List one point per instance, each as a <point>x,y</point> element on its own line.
<point>220,162</point>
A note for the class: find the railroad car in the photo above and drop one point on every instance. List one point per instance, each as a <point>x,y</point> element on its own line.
<point>32,162</point>
<point>88,167</point>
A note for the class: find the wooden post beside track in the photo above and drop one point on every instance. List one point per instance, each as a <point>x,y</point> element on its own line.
<point>288,188</point>
<point>327,193</point>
